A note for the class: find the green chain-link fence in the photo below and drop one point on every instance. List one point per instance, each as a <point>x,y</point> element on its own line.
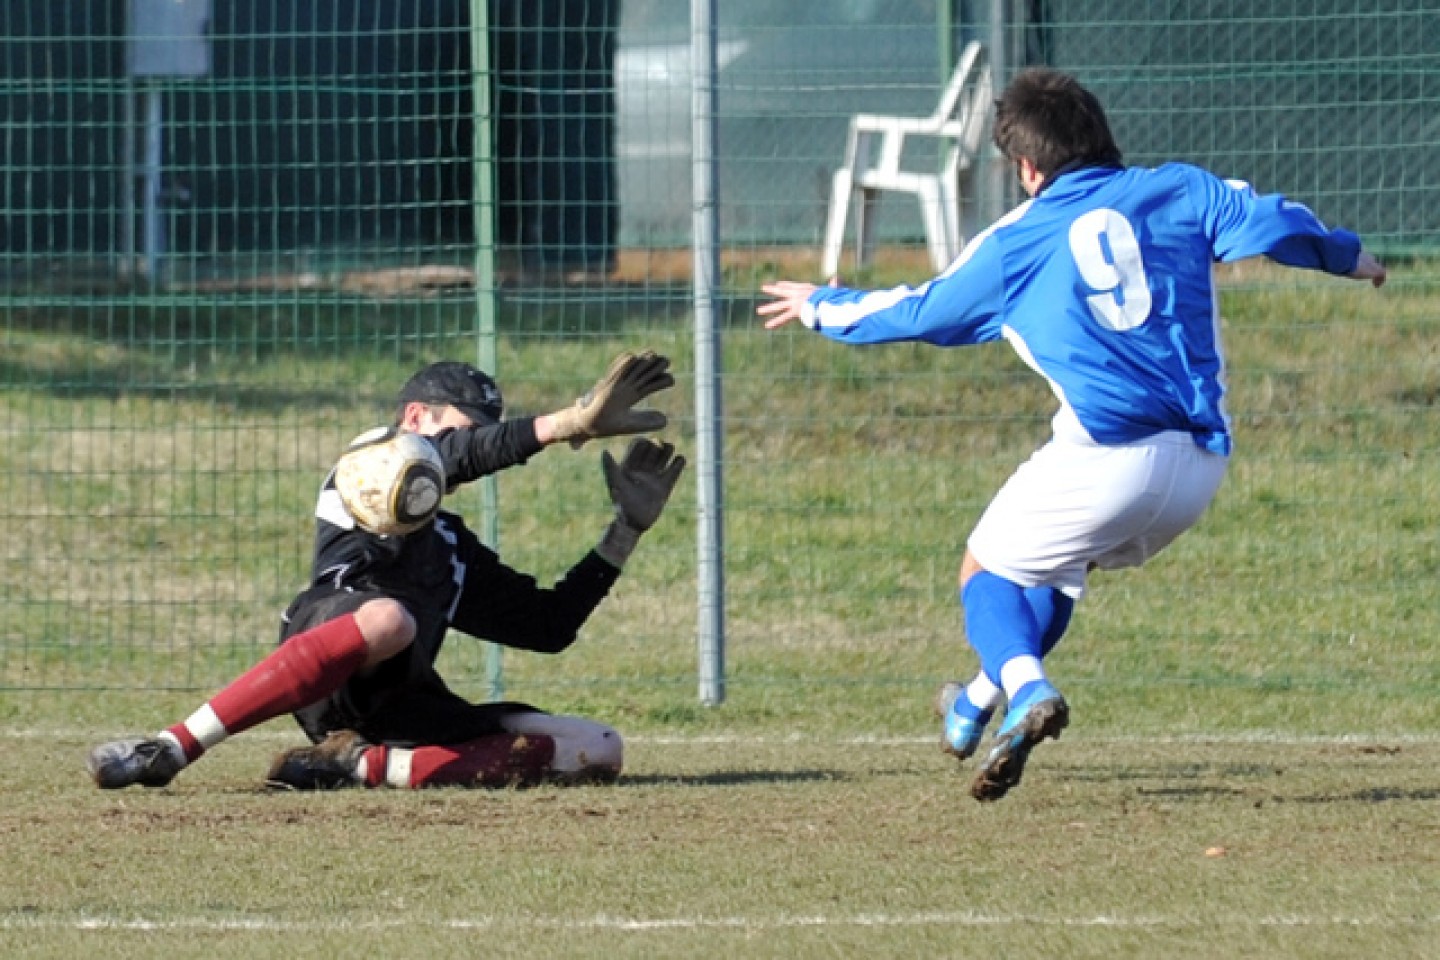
<point>227,240</point>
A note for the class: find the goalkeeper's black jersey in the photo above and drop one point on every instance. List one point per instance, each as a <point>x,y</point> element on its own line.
<point>444,571</point>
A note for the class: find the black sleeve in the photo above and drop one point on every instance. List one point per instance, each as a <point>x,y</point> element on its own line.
<point>474,452</point>
<point>510,608</point>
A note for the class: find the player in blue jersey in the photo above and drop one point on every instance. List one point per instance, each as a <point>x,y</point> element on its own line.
<point>1102,283</point>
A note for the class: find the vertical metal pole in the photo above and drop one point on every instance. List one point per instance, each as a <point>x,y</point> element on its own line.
<point>128,151</point>
<point>997,178</point>
<point>710,592</point>
<point>127,179</point>
<point>945,31</point>
<point>486,307</point>
<point>945,26</point>
<point>153,226</point>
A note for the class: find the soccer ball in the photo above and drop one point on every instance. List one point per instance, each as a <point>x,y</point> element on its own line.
<point>392,483</point>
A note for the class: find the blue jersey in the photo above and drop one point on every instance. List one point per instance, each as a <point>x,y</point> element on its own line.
<point>1103,284</point>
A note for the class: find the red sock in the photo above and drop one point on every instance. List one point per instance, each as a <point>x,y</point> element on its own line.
<point>501,760</point>
<point>375,759</point>
<point>193,748</point>
<point>306,668</point>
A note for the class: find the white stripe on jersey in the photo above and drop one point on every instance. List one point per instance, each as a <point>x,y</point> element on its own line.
<point>330,508</point>
<point>845,315</point>
<point>449,537</point>
<point>1065,423</point>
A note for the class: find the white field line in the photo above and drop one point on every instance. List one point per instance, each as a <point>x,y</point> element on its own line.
<point>1280,738</point>
<point>1261,736</point>
<point>643,925</point>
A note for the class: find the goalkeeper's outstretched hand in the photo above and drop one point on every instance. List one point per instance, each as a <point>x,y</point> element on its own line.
<point>640,485</point>
<point>608,408</point>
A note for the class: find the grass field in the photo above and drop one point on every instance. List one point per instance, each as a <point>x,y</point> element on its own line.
<point>1250,770</point>
<point>767,846</point>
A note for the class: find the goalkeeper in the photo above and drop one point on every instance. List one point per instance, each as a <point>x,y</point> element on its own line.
<point>356,662</point>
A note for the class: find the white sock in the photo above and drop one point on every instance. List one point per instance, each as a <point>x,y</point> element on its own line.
<point>397,767</point>
<point>1019,671</point>
<point>982,693</point>
<point>206,727</point>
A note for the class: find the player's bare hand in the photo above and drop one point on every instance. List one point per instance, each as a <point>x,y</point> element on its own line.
<point>1368,268</point>
<point>789,300</point>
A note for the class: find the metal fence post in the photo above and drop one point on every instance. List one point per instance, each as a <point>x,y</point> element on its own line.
<point>710,572</point>
<point>487,354</point>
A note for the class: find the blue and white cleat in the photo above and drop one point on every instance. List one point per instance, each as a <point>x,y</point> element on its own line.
<point>964,729</point>
<point>1039,713</point>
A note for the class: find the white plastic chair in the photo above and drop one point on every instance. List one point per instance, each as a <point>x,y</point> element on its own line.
<point>873,156</point>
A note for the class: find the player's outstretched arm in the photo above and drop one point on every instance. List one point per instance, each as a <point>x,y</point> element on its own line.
<point>1368,268</point>
<point>608,408</point>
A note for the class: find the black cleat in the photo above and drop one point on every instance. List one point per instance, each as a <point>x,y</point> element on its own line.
<point>328,765</point>
<point>150,763</point>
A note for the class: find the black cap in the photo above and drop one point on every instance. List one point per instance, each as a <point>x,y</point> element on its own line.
<point>459,385</point>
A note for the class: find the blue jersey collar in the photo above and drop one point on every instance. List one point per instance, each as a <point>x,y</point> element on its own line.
<point>1072,167</point>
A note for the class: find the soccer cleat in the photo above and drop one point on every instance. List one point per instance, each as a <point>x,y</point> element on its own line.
<point>1041,714</point>
<point>961,735</point>
<point>328,765</point>
<point>150,763</point>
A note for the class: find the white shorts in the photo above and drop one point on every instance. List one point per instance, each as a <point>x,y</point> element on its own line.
<point>1073,505</point>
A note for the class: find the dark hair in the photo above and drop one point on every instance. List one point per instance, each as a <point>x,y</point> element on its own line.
<point>1047,117</point>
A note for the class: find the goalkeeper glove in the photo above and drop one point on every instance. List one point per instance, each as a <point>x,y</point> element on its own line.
<point>640,485</point>
<point>606,410</point>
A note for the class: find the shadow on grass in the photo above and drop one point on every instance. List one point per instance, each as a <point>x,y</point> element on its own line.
<point>1178,782</point>
<point>1187,772</point>
<point>1373,795</point>
<point>721,778</point>
<point>1188,793</point>
<point>735,778</point>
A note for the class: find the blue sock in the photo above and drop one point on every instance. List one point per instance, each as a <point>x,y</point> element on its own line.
<point>965,707</point>
<point>999,622</point>
<point>1052,611</point>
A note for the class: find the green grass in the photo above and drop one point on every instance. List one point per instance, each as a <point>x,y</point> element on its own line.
<point>1266,685</point>
<point>770,847</point>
